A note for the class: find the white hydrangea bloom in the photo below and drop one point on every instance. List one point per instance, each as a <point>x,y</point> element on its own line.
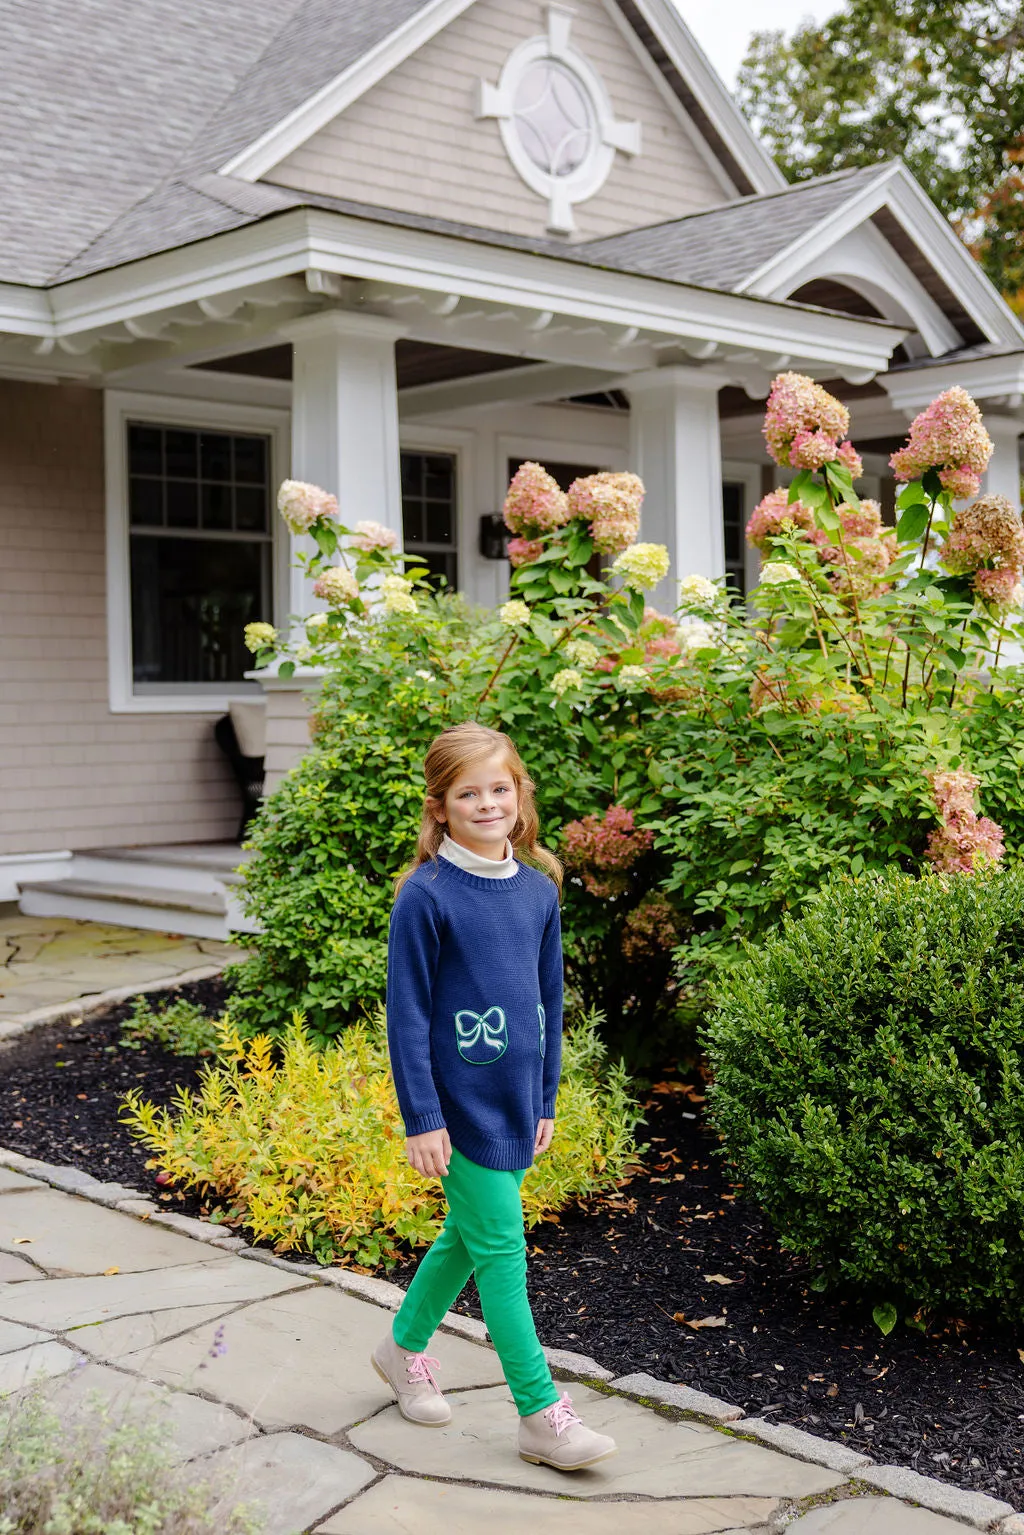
<point>257,636</point>
<point>514,614</point>
<point>698,592</point>
<point>567,678</point>
<point>631,674</point>
<point>642,565</point>
<point>583,652</point>
<point>697,635</point>
<point>778,573</point>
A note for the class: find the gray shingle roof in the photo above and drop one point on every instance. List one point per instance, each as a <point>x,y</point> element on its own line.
<point>724,246</point>
<point>102,103</point>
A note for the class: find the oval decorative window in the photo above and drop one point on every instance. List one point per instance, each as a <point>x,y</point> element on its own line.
<point>556,120</point>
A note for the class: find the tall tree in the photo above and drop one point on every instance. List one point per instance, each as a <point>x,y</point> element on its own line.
<point>939,84</point>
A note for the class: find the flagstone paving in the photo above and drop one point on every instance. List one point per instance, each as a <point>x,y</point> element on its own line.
<point>260,1378</point>
<point>49,961</point>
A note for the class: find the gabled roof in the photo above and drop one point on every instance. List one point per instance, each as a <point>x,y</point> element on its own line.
<point>110,112</point>
<point>722,247</point>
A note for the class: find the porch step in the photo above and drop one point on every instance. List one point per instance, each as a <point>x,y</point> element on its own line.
<point>162,908</point>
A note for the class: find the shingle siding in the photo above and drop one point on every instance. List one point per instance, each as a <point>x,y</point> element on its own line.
<point>71,773</point>
<point>412,143</point>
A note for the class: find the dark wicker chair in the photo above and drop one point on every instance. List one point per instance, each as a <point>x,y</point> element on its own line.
<point>248,771</point>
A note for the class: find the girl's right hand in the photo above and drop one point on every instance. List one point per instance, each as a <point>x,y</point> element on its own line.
<point>430,1153</point>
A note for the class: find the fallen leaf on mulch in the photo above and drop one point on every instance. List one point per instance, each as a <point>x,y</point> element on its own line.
<point>1020,1353</point>
<point>697,1322</point>
<point>718,1279</point>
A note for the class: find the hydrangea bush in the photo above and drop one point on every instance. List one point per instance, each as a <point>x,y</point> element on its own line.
<point>739,751</point>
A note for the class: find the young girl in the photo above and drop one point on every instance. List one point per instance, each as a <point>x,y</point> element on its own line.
<point>474,1007</point>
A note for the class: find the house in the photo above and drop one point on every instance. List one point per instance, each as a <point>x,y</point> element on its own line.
<point>394,247</point>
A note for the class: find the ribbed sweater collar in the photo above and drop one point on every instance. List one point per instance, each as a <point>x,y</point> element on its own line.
<point>475,863</point>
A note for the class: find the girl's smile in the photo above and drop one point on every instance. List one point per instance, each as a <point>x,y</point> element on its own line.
<point>481,807</point>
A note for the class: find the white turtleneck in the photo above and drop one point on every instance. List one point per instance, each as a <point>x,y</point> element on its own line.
<point>475,863</point>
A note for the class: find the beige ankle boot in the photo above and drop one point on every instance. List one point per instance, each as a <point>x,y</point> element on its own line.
<point>411,1379</point>
<point>558,1437</point>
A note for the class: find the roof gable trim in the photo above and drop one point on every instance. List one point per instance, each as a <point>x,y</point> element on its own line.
<point>712,107</point>
<point>897,191</point>
<point>284,137</point>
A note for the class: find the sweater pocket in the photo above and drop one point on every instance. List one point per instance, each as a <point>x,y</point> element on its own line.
<point>481,1037</point>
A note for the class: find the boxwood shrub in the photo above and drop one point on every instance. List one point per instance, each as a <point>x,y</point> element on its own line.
<point>868,1063</point>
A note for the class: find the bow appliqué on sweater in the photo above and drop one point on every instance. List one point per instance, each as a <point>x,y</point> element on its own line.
<point>481,1037</point>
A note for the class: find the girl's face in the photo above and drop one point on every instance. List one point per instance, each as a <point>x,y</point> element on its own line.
<point>481,806</point>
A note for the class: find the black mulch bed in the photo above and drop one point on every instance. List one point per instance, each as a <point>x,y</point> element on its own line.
<point>612,1281</point>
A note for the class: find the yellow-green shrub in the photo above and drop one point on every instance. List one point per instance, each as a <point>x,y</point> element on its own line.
<point>307,1148</point>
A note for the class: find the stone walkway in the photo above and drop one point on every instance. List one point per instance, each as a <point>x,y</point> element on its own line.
<point>49,963</point>
<point>102,1291</point>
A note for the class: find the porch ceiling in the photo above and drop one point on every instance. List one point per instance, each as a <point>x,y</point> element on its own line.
<point>416,362</point>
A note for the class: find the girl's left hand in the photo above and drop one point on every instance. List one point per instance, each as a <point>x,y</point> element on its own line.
<point>545,1130</point>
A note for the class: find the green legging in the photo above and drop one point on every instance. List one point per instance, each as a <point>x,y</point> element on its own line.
<point>482,1235</point>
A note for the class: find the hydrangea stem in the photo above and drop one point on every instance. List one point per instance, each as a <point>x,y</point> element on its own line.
<point>492,679</point>
<point>853,595</point>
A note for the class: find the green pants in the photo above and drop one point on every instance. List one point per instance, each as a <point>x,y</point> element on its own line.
<point>482,1236</point>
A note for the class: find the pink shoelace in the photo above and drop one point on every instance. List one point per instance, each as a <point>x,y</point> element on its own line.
<point>418,1369</point>
<point>562,1415</point>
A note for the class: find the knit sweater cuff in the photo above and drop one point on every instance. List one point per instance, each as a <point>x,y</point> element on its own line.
<point>421,1124</point>
<point>548,1109</point>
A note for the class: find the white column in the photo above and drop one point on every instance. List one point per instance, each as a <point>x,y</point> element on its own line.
<point>675,449</point>
<point>1002,478</point>
<point>345,419</point>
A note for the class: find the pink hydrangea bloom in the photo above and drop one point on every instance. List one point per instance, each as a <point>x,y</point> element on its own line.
<point>988,532</point>
<point>650,928</point>
<point>965,841</point>
<point>864,521</point>
<point>999,589</point>
<point>812,450</point>
<point>534,503</point>
<point>847,454</point>
<point>523,551</point>
<point>949,436</point>
<point>374,535</point>
<point>301,504</point>
<point>605,849</point>
<point>798,407</point>
<point>774,515</point>
<point>611,504</point>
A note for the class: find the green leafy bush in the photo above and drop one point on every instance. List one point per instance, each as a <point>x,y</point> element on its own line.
<point>180,1026</point>
<point>307,1146</point>
<point>869,1084</point>
<point>91,1472</point>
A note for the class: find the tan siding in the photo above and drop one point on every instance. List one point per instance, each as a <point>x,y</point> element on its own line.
<point>71,773</point>
<point>412,142</point>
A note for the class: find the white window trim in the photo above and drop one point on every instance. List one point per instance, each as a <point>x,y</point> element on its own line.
<point>164,410</point>
<point>461,445</point>
<point>749,476</point>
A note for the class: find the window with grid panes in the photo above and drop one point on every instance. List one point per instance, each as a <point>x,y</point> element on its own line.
<point>199,516</point>
<point>430,512</point>
<point>733,527</point>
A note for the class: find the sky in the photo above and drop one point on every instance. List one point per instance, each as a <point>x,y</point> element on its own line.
<point>723,27</point>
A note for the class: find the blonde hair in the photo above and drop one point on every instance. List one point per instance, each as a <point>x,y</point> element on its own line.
<point>450,753</point>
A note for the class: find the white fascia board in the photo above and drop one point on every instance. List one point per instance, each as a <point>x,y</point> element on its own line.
<point>984,377</point>
<point>693,64</point>
<point>24,311</point>
<point>772,276</point>
<point>424,260</point>
<point>863,258</point>
<point>898,191</point>
<point>929,230</point>
<point>315,113</point>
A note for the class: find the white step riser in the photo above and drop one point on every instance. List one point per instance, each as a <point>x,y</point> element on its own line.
<point>237,921</point>
<point>195,924</point>
<point>124,871</point>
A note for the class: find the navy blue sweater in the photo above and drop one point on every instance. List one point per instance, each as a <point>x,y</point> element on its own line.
<point>475,1008</point>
